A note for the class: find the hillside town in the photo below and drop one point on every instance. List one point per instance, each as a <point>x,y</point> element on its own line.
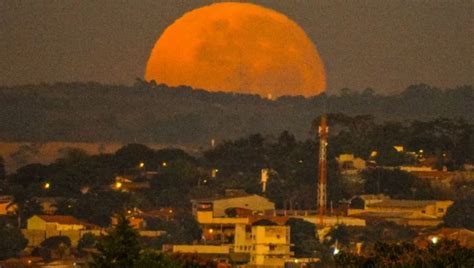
<point>237,209</point>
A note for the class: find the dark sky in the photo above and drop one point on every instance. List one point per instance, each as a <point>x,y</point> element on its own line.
<point>383,44</point>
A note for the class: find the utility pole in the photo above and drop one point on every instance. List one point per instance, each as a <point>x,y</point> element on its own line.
<point>323,142</point>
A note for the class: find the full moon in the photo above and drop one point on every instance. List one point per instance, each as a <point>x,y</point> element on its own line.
<point>237,47</point>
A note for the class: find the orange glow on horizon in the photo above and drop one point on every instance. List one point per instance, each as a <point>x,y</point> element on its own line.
<point>237,47</point>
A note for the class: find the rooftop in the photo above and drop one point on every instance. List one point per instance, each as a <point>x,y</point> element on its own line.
<point>61,219</point>
<point>229,194</point>
<point>396,203</point>
<point>373,197</point>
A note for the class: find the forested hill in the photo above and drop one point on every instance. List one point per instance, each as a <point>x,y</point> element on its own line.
<point>150,113</point>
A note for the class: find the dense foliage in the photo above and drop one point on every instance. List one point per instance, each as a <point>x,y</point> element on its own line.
<point>445,253</point>
<point>55,247</point>
<point>461,214</point>
<point>304,237</point>
<point>150,113</point>
<point>12,241</point>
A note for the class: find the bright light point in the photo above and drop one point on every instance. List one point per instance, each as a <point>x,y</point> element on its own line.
<point>141,165</point>
<point>434,239</point>
<point>118,185</point>
<point>336,251</point>
<point>211,231</point>
<point>421,151</point>
<point>164,164</point>
<point>129,211</point>
<point>46,185</point>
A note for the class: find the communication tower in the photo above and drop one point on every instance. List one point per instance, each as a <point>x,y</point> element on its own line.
<point>323,143</point>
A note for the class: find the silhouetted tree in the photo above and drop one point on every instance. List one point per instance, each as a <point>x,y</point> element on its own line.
<point>304,237</point>
<point>119,248</point>
<point>12,241</point>
<point>461,214</point>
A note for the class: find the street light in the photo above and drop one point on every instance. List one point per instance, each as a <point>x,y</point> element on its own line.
<point>118,185</point>
<point>141,165</point>
<point>434,240</point>
<point>46,185</point>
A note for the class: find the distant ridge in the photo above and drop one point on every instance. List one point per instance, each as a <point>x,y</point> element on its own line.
<point>150,113</point>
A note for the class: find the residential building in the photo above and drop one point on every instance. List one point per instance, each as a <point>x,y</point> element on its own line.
<point>232,199</point>
<point>350,165</point>
<point>213,214</point>
<point>405,212</point>
<point>267,246</point>
<point>41,227</point>
<point>253,246</point>
<point>55,223</point>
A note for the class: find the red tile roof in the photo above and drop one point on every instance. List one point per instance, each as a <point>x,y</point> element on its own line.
<point>61,219</point>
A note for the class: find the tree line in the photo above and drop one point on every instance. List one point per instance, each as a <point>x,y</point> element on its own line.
<point>151,113</point>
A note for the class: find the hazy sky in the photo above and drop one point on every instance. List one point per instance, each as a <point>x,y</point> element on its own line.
<point>383,44</point>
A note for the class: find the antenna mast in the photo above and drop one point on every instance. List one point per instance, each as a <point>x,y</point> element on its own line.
<point>323,142</point>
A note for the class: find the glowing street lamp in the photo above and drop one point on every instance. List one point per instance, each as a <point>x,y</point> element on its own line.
<point>141,165</point>
<point>164,164</point>
<point>435,240</point>
<point>46,185</point>
<point>118,185</point>
<point>336,251</point>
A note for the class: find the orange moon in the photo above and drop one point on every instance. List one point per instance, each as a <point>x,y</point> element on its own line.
<point>237,47</point>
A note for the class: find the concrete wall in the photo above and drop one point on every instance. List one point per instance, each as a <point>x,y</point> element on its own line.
<point>35,237</point>
<point>206,217</point>
<point>202,249</point>
<point>333,220</point>
<point>270,246</point>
